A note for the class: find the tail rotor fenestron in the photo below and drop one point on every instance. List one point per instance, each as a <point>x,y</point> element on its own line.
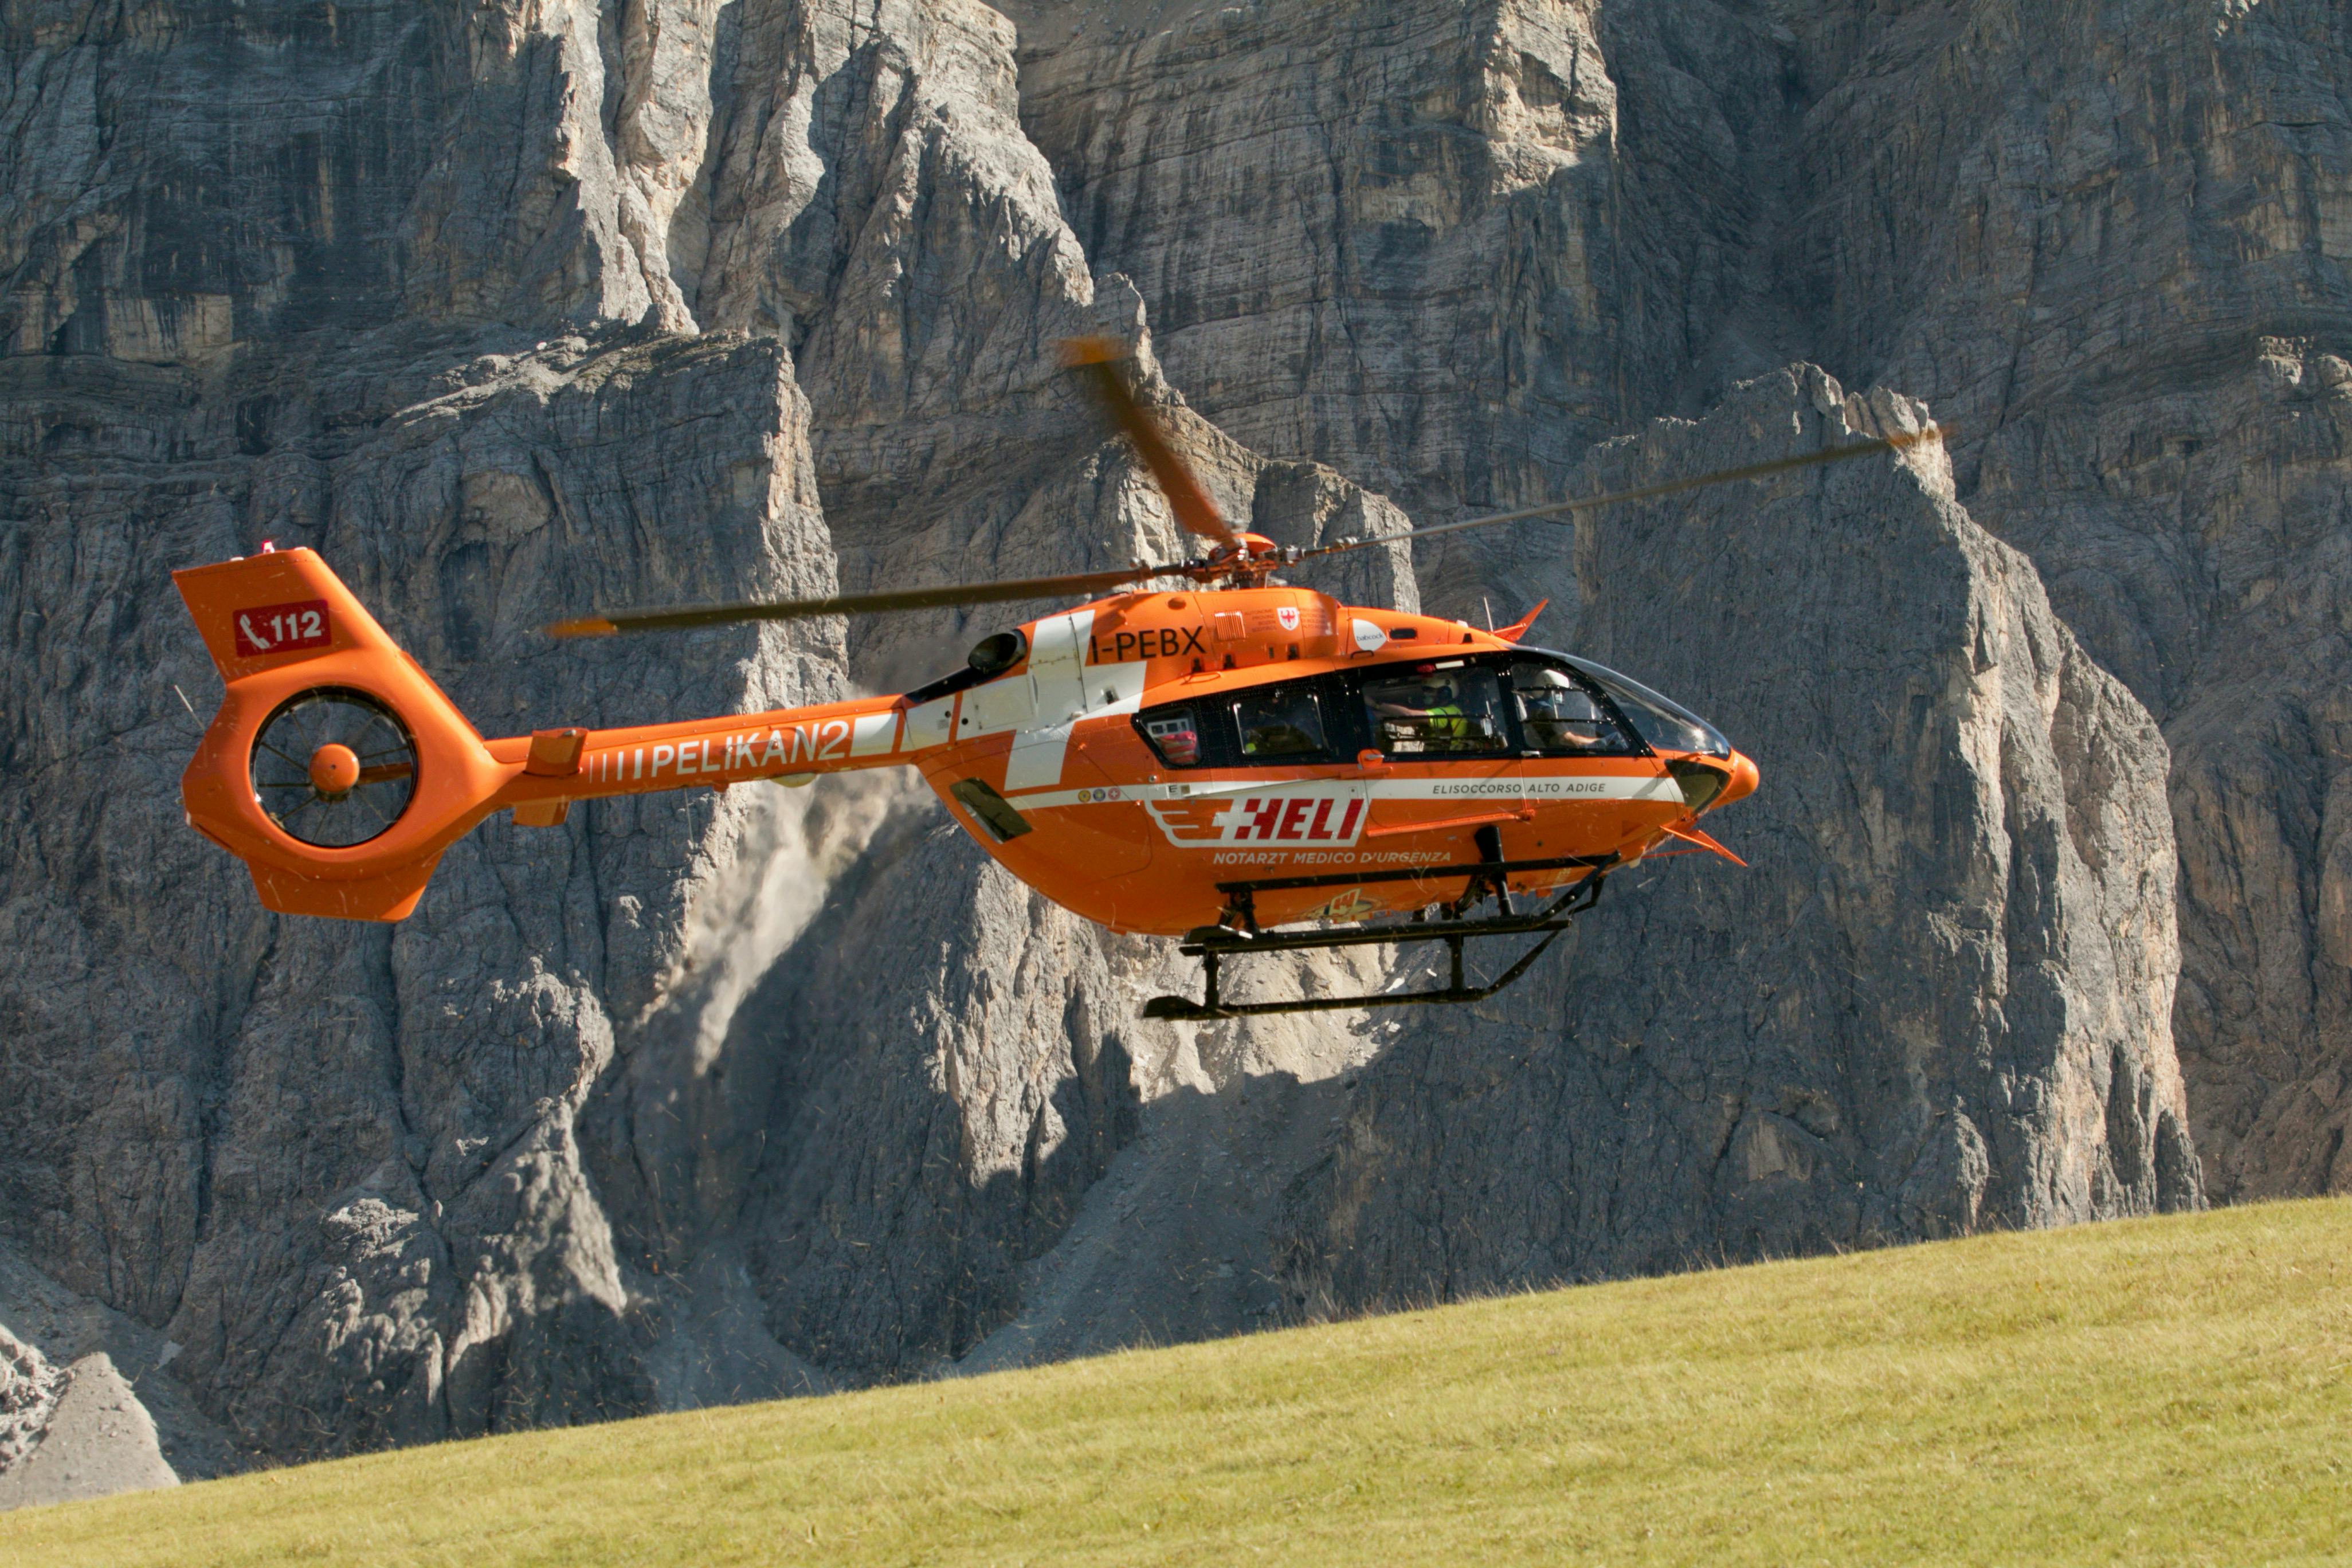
<point>334,767</point>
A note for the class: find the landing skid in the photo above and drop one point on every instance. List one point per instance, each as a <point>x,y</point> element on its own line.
<point>1239,933</point>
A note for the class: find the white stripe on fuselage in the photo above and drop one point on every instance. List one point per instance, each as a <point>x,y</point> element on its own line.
<point>1534,787</point>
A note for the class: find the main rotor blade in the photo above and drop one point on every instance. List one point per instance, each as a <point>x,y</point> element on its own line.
<point>684,618</point>
<point>1195,512</point>
<point>1764,470</point>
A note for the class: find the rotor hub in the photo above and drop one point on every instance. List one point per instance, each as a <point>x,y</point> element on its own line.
<point>1250,561</point>
<point>334,769</point>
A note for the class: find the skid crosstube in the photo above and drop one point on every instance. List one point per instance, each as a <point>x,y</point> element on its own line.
<point>1211,945</point>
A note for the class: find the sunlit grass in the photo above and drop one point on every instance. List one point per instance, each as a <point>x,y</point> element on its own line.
<point>2157,1391</point>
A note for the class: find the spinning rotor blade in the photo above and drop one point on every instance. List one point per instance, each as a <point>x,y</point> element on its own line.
<point>684,618</point>
<point>1895,443</point>
<point>1195,512</point>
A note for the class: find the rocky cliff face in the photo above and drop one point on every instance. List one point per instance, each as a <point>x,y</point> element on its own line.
<point>2140,299</point>
<point>389,1184</point>
<point>1935,1003</point>
<point>510,310</point>
<point>2107,242</point>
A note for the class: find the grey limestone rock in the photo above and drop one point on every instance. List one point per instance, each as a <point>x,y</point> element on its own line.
<point>1443,248</point>
<point>87,1406</point>
<point>94,1439</point>
<point>365,1143</point>
<point>1446,247</point>
<point>1935,1000</point>
<point>386,1185</point>
<point>2132,283</point>
<point>29,1386</point>
<point>55,1329</point>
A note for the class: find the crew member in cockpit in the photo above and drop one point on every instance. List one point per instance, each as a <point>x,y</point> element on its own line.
<point>1556,716</point>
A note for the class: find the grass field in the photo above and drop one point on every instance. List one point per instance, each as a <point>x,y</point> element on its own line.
<point>2156,1391</point>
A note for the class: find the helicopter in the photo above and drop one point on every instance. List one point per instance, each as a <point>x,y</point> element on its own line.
<point>1204,752</point>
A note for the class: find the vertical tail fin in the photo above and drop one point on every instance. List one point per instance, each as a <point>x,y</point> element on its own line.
<point>335,768</point>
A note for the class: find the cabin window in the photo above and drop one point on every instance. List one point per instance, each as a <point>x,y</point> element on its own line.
<point>1281,723</point>
<point>1445,709</point>
<point>1174,734</point>
<point>1560,716</point>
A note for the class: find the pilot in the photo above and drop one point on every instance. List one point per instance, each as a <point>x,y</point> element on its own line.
<point>1557,714</point>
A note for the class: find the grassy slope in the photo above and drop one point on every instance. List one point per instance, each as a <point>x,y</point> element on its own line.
<point>2166,1390</point>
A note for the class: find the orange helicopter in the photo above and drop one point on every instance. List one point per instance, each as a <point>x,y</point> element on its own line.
<point>1253,766</point>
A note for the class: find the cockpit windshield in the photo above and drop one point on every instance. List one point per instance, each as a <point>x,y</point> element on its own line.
<point>1666,725</point>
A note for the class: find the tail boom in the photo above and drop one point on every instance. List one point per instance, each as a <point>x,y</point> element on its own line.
<point>552,768</point>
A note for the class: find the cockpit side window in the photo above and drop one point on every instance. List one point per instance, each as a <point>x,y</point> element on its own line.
<point>1450,709</point>
<point>1281,723</point>
<point>1562,715</point>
